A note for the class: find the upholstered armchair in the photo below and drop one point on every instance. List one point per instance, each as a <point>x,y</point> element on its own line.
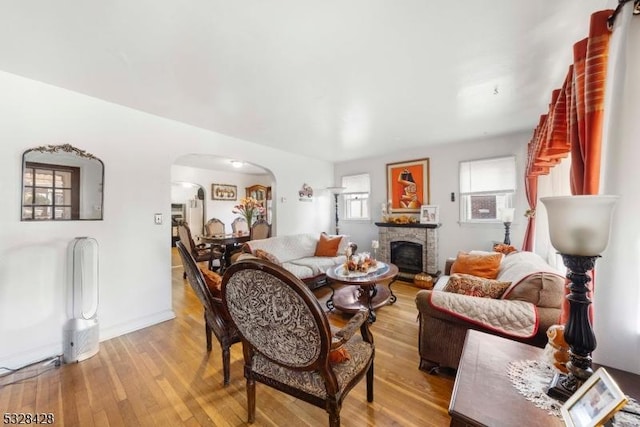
<point>216,320</point>
<point>287,340</point>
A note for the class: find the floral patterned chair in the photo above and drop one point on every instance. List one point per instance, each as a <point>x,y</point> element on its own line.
<point>287,340</point>
<point>215,318</point>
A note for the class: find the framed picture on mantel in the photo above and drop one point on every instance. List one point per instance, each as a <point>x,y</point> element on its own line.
<point>408,185</point>
<point>429,214</point>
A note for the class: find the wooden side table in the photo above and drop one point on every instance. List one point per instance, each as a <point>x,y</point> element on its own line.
<point>483,394</point>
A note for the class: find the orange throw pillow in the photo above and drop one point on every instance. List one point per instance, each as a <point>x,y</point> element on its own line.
<point>339,355</point>
<point>213,281</point>
<point>481,265</point>
<point>328,245</point>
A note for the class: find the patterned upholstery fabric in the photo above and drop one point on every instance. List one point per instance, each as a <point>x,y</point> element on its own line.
<point>288,340</point>
<point>285,329</point>
<point>311,381</point>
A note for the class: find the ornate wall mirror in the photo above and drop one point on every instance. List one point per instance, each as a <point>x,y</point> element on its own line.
<point>61,183</point>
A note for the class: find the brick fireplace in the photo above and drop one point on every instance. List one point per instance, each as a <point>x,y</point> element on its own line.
<point>414,247</point>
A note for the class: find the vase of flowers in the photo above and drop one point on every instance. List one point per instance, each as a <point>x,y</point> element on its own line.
<point>249,208</point>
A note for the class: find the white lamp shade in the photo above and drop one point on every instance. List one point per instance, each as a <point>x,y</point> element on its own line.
<point>579,225</point>
<point>507,214</point>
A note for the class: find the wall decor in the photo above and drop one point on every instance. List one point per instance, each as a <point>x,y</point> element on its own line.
<point>429,214</point>
<point>61,183</point>
<point>224,192</point>
<point>305,194</point>
<point>408,185</point>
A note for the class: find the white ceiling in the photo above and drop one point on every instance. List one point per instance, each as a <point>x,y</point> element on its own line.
<point>334,80</point>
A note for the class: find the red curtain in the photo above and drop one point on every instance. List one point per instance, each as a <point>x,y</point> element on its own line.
<point>573,125</point>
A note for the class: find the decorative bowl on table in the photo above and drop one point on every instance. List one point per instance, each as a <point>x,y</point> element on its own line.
<point>361,263</point>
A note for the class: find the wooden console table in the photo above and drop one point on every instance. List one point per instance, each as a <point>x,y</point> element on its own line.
<point>483,394</point>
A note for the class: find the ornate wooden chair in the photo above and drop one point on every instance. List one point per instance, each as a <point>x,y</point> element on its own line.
<point>260,230</point>
<point>215,318</point>
<point>214,227</point>
<point>200,252</point>
<point>239,225</point>
<point>287,340</point>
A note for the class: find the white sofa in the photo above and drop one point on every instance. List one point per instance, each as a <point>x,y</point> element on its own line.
<point>296,253</point>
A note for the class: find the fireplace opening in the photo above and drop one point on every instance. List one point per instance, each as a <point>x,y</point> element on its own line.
<point>407,256</point>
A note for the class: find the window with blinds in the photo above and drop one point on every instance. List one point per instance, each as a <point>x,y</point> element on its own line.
<point>356,196</point>
<point>487,187</point>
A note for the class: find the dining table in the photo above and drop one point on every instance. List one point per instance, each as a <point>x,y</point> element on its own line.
<point>229,242</point>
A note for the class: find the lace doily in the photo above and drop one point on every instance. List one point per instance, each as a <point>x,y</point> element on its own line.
<point>532,377</point>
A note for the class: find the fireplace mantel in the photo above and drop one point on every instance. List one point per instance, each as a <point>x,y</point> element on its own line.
<point>413,225</point>
<point>423,234</point>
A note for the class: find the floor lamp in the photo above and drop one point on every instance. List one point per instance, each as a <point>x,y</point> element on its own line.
<point>336,191</point>
<point>579,229</point>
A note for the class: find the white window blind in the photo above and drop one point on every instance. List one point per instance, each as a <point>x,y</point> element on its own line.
<point>356,183</point>
<point>487,187</point>
<point>488,176</point>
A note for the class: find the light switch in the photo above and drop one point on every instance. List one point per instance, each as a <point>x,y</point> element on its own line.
<point>158,218</point>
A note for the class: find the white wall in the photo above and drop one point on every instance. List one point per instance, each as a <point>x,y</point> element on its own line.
<point>617,296</point>
<point>443,161</point>
<point>138,150</point>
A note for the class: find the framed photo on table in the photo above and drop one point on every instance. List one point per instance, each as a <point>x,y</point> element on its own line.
<point>594,402</point>
<point>408,185</point>
<point>429,214</point>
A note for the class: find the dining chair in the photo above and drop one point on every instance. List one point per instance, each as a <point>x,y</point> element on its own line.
<point>215,318</point>
<point>200,252</point>
<point>287,340</point>
<point>260,229</point>
<point>239,225</point>
<point>214,227</point>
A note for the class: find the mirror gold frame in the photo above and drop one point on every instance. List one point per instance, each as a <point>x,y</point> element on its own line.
<point>61,183</point>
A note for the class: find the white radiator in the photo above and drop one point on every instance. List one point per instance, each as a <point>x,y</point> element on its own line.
<point>81,331</point>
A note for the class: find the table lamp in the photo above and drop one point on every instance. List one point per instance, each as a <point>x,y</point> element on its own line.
<point>579,228</point>
<point>507,219</point>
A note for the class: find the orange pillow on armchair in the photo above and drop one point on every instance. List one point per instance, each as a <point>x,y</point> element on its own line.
<point>477,264</point>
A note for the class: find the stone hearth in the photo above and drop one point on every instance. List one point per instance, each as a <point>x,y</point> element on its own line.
<point>423,234</point>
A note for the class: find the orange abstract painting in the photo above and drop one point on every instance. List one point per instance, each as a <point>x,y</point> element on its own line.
<point>408,185</point>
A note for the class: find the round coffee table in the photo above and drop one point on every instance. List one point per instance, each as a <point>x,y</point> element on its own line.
<point>364,290</point>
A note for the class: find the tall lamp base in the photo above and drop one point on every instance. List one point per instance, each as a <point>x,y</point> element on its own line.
<point>577,332</point>
<point>562,387</point>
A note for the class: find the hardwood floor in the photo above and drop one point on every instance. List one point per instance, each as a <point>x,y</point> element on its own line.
<point>163,376</point>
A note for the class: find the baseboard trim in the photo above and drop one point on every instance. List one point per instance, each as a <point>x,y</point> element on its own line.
<point>35,355</point>
<point>136,324</point>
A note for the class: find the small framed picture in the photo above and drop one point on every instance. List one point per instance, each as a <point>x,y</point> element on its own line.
<point>429,214</point>
<point>594,402</point>
<point>224,192</point>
